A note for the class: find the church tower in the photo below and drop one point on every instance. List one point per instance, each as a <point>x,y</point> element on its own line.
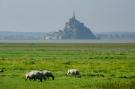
<point>74,14</point>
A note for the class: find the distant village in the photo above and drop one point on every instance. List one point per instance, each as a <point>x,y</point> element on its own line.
<point>73,30</point>
<point>55,36</point>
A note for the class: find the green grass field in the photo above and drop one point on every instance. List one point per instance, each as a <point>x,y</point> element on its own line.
<point>102,65</point>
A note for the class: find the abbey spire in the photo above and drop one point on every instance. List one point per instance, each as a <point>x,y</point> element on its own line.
<point>74,14</point>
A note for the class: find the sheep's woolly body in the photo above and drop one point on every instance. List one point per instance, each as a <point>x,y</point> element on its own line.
<point>73,72</point>
<point>34,75</point>
<point>47,74</point>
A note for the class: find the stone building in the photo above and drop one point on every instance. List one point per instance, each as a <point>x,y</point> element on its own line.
<point>74,29</point>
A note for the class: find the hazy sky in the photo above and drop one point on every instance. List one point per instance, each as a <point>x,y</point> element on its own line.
<point>51,15</point>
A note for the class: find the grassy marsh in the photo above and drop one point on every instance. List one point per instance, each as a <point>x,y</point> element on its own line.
<point>102,65</point>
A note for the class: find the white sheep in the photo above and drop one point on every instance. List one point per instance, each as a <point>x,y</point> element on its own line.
<point>73,72</point>
<point>34,75</point>
<point>47,74</point>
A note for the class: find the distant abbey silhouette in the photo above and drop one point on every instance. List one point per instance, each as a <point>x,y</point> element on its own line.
<point>74,29</point>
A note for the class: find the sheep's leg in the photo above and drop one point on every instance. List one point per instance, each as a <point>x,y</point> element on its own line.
<point>44,78</point>
<point>26,79</point>
<point>40,79</point>
<point>52,77</point>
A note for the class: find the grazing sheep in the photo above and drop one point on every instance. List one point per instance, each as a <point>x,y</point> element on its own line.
<point>34,75</point>
<point>47,74</point>
<point>73,72</point>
